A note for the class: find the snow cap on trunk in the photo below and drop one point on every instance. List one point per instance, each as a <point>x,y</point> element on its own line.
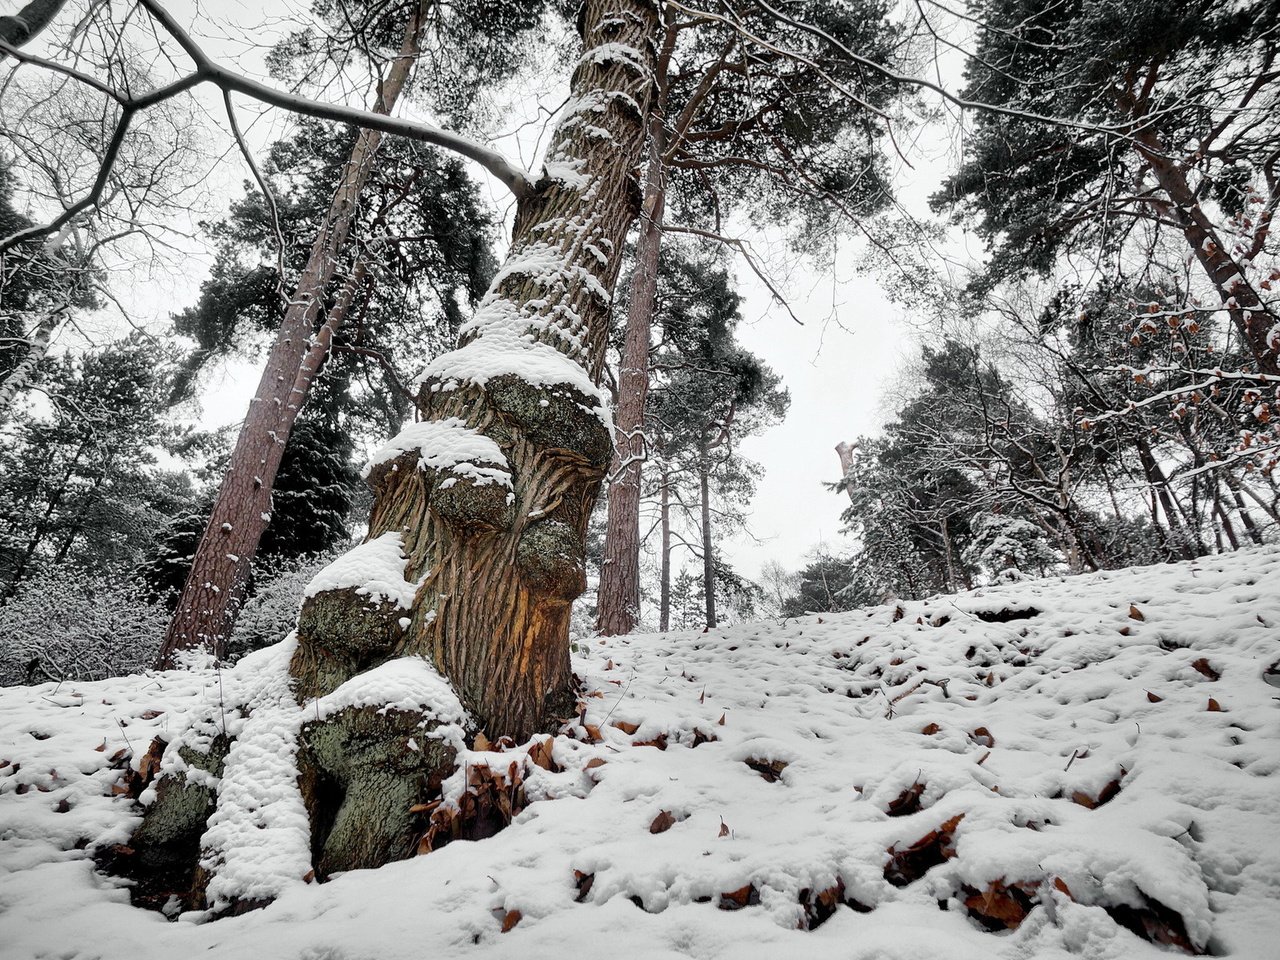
<point>374,569</point>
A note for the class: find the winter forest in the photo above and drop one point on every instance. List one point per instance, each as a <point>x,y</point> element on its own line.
<point>701,478</point>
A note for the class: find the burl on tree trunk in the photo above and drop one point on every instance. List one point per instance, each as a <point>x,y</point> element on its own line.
<point>475,548</point>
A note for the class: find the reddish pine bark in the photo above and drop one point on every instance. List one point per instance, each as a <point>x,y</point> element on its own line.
<point>214,589</point>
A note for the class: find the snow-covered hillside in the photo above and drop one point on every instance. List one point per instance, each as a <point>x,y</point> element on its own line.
<point>1038,770</point>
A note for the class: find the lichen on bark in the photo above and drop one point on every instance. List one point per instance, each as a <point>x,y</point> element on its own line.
<point>340,634</point>
<point>162,855</point>
<point>363,770</point>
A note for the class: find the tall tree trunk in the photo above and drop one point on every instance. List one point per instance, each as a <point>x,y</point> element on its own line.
<point>1245,517</point>
<point>708,549</point>
<point>16,380</point>
<point>488,497</point>
<point>476,545</point>
<point>214,589</point>
<point>619,597</point>
<point>1172,514</point>
<point>664,588</point>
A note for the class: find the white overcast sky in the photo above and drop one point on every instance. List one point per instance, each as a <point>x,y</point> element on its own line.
<point>836,364</point>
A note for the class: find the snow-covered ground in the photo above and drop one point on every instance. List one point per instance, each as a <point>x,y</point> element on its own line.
<point>1064,761</point>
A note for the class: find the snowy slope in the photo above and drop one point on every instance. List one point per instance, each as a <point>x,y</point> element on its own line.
<point>1064,761</point>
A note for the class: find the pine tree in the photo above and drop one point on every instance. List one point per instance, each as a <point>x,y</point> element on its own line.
<point>709,393</point>
<point>1165,128</point>
<point>82,485</point>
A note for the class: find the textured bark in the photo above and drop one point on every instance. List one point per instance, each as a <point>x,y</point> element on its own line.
<point>214,589</point>
<point>163,854</point>
<point>664,600</point>
<point>22,26</point>
<point>360,782</point>
<point>619,596</point>
<point>496,575</point>
<point>17,379</point>
<point>708,548</point>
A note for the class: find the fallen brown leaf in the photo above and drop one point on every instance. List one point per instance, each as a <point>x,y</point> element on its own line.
<point>663,822</point>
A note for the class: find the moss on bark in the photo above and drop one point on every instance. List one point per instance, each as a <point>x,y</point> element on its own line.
<point>550,557</point>
<point>341,634</point>
<point>363,771</point>
<point>553,418</point>
<point>163,853</point>
<point>466,505</point>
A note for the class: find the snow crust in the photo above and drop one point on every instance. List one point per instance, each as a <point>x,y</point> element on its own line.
<point>1001,704</point>
<point>448,445</point>
<point>374,569</point>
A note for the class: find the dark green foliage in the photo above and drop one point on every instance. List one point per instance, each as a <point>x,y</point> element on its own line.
<point>1109,68</point>
<point>708,390</point>
<point>707,393</point>
<point>82,484</point>
<point>824,586</point>
<point>313,493</point>
<point>315,489</point>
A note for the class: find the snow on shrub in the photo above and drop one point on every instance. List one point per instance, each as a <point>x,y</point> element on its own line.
<point>69,624</point>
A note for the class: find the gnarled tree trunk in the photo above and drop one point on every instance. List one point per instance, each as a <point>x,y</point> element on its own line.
<point>475,547</point>
<point>491,493</point>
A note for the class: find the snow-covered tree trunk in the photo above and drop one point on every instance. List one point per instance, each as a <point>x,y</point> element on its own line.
<point>17,379</point>
<point>214,589</point>
<point>484,502</point>
<point>1257,326</point>
<point>476,548</point>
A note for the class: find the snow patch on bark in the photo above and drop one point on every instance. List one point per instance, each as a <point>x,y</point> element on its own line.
<point>410,684</point>
<point>259,838</point>
<point>374,569</point>
<point>451,445</point>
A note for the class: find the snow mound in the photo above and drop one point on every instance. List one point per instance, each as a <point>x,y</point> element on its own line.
<point>406,683</point>
<point>374,569</point>
<point>1048,769</point>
